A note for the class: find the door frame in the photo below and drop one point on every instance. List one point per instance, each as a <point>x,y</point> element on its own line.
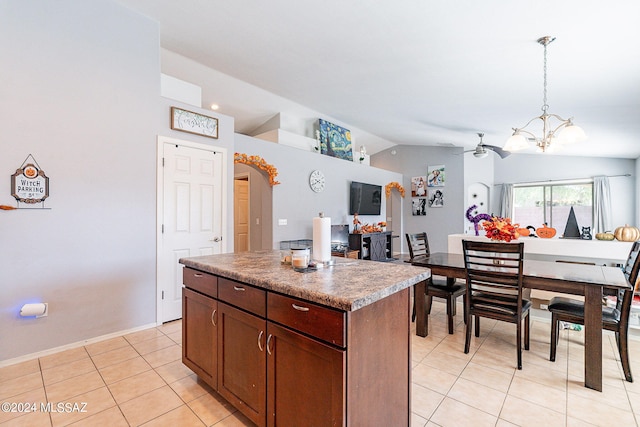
<point>160,141</point>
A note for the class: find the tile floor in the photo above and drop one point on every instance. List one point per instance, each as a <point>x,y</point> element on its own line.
<point>138,379</point>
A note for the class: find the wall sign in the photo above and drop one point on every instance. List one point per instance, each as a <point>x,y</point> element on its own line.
<point>30,184</point>
<point>188,121</point>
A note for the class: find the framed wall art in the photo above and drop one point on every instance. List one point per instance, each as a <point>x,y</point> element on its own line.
<point>335,141</point>
<point>419,186</point>
<point>419,206</point>
<point>435,176</point>
<point>196,123</point>
<point>436,197</point>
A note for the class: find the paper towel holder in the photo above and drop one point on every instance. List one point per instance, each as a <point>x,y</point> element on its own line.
<point>328,263</point>
<point>35,309</point>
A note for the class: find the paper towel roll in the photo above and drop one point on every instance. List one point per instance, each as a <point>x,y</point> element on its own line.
<point>322,238</point>
<point>38,309</point>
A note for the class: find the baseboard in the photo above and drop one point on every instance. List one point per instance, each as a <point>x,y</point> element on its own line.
<point>77,344</point>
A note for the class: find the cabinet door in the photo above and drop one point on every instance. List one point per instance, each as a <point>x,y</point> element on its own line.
<point>199,335</point>
<point>305,381</point>
<point>242,361</point>
<point>377,247</point>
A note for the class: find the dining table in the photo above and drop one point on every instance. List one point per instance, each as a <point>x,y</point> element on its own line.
<point>566,278</point>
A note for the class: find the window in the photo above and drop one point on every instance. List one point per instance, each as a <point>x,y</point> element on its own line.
<point>536,204</point>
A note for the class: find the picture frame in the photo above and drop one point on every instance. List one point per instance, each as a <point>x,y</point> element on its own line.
<point>335,141</point>
<point>436,197</point>
<point>195,123</point>
<point>435,176</point>
<point>419,186</point>
<point>418,206</point>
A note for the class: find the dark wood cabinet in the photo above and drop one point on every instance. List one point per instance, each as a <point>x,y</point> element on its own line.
<point>200,335</point>
<point>242,374</point>
<point>305,380</point>
<point>372,246</point>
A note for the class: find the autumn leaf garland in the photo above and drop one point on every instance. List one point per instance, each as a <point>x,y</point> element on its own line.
<point>391,185</point>
<point>260,163</point>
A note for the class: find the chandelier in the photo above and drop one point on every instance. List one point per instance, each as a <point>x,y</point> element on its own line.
<point>563,133</point>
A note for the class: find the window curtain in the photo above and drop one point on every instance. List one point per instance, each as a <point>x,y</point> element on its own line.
<point>506,201</point>
<point>601,204</point>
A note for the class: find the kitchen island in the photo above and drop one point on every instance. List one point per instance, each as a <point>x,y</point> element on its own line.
<point>330,347</point>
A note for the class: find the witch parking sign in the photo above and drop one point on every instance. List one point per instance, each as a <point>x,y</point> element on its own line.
<point>30,184</point>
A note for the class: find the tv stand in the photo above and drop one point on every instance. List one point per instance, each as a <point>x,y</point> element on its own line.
<point>372,246</point>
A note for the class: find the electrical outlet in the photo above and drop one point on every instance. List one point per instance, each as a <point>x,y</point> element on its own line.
<point>544,307</point>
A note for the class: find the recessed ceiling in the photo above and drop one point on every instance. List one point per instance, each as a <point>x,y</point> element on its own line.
<point>418,72</point>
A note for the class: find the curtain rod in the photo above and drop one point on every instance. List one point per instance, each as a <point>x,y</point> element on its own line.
<point>568,179</point>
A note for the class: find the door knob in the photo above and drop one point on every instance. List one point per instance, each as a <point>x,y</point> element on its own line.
<point>216,239</point>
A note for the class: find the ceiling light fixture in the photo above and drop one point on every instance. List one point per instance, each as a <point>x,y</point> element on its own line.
<point>570,133</point>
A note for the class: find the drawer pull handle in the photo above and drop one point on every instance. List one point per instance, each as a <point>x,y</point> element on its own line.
<point>197,275</point>
<point>238,288</point>
<point>260,340</point>
<point>297,307</point>
<point>213,317</point>
<point>268,343</point>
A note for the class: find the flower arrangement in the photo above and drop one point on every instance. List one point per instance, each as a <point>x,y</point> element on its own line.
<point>500,229</point>
<point>359,227</point>
<point>476,219</point>
<point>260,163</point>
<point>391,185</point>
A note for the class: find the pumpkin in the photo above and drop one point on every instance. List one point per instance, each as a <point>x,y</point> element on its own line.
<point>524,232</point>
<point>607,235</point>
<point>627,233</point>
<point>545,232</point>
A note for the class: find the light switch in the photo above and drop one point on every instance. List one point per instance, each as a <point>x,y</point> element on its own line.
<point>282,222</point>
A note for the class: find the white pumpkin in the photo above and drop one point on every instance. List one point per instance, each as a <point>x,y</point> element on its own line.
<point>627,233</point>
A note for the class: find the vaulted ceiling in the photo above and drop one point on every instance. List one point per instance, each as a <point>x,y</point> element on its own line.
<point>419,72</point>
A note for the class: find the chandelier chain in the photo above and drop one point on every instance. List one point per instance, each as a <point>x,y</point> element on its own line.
<point>545,106</point>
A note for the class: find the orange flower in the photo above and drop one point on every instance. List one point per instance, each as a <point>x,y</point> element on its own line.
<point>500,229</point>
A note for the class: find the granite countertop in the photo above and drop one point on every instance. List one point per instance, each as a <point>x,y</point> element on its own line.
<point>348,285</point>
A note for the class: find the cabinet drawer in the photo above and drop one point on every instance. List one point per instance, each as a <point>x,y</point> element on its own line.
<point>243,296</point>
<point>312,319</point>
<point>202,282</point>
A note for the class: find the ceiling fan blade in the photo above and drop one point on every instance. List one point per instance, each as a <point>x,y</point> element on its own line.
<point>498,150</point>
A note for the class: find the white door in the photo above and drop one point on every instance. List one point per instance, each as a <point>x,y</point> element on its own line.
<point>192,212</point>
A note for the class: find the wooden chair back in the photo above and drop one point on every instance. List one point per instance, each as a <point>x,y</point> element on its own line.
<point>494,278</point>
<point>418,244</point>
<point>625,297</point>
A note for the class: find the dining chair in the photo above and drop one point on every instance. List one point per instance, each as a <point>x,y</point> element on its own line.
<point>494,288</point>
<point>614,319</point>
<point>446,289</point>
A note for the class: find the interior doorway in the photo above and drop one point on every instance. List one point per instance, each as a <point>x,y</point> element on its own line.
<point>259,218</point>
<point>394,222</point>
<point>241,210</point>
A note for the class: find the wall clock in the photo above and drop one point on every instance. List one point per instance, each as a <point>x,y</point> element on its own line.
<point>316,181</point>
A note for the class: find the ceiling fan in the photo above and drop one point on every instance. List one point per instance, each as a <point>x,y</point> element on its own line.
<point>482,150</point>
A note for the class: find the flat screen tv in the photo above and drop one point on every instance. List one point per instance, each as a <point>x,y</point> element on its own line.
<point>365,199</point>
